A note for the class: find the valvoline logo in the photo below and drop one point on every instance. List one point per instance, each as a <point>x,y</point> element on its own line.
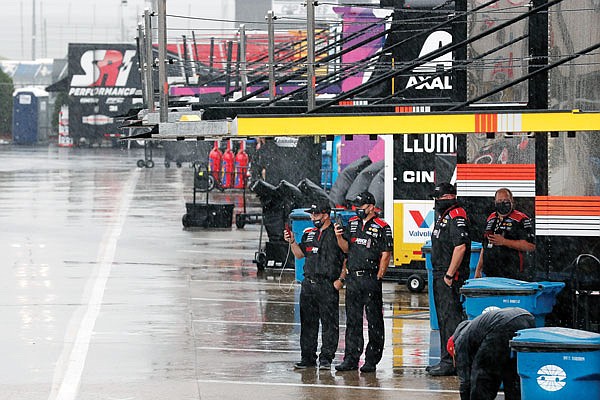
<point>417,220</point>
<point>422,222</point>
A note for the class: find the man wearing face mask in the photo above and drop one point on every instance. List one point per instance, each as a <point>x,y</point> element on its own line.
<point>450,253</point>
<point>508,236</point>
<point>319,294</point>
<point>368,242</point>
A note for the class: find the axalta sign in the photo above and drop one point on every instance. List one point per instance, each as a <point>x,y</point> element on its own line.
<point>422,78</point>
<point>106,72</point>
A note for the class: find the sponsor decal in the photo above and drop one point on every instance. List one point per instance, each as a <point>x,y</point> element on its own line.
<point>423,73</point>
<point>419,218</point>
<point>97,119</point>
<point>106,73</point>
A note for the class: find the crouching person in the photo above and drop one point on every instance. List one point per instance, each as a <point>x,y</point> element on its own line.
<point>482,356</point>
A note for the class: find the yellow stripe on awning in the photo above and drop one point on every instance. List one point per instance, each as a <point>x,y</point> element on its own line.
<point>403,123</point>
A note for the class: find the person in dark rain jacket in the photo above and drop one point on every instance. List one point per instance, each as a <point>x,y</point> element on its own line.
<point>482,355</point>
<point>319,294</point>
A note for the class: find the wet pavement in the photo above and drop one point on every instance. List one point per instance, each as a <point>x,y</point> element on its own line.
<point>104,295</point>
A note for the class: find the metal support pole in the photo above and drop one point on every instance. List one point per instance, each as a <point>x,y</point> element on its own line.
<point>228,66</point>
<point>149,70</point>
<point>242,60</point>
<point>33,31</point>
<point>271,32</point>
<point>162,60</point>
<point>185,62</point>
<point>141,48</point>
<point>211,57</point>
<point>459,34</point>
<point>310,54</point>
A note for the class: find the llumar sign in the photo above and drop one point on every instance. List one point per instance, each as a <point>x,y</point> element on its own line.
<point>103,71</point>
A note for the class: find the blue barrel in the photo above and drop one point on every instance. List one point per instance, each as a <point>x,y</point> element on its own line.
<point>558,363</point>
<point>300,220</point>
<point>426,250</point>
<point>490,293</point>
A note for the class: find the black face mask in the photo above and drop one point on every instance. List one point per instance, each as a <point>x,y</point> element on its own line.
<point>503,207</point>
<point>443,205</point>
<point>361,213</point>
<point>318,223</point>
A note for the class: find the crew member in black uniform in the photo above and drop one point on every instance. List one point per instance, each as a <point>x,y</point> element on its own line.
<point>482,354</point>
<point>508,236</point>
<point>450,254</point>
<point>368,242</point>
<point>319,294</point>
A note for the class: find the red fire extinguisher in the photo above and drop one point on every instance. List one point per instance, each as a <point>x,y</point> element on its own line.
<point>227,167</point>
<point>214,161</point>
<point>241,167</point>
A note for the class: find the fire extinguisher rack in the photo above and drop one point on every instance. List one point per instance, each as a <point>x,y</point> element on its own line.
<point>244,218</point>
<point>206,214</point>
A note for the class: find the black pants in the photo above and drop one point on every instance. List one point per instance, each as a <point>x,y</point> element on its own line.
<point>364,295</point>
<point>319,301</point>
<point>449,311</point>
<point>492,365</point>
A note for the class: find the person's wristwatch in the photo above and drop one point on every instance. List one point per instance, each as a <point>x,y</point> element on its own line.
<point>447,276</point>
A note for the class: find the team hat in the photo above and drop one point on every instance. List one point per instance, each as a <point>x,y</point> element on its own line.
<point>443,189</point>
<point>363,198</point>
<point>319,206</point>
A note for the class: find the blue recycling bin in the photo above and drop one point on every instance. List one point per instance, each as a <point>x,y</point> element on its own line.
<point>426,250</point>
<point>558,363</point>
<point>488,293</point>
<point>300,220</point>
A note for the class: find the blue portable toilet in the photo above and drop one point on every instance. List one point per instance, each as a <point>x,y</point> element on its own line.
<point>558,363</point>
<point>31,116</point>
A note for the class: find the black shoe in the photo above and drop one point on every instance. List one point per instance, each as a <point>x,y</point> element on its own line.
<point>346,366</point>
<point>325,364</point>
<point>429,367</point>
<point>442,370</point>
<point>303,364</point>
<point>368,367</point>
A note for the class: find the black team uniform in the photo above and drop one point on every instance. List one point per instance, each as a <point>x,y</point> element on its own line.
<point>483,356</point>
<point>363,289</point>
<point>502,261</point>
<point>319,299</point>
<point>451,230</point>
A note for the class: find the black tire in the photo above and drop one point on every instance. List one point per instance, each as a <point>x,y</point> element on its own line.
<point>149,164</point>
<point>141,163</point>
<point>239,221</point>
<point>415,283</point>
<point>178,164</point>
<point>261,260</point>
<point>185,220</point>
<point>167,164</point>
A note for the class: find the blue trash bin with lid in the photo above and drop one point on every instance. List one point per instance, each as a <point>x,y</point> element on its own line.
<point>488,293</point>
<point>558,363</point>
<point>426,251</point>
<point>300,220</point>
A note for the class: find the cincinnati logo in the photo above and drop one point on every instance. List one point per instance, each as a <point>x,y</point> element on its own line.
<point>421,222</point>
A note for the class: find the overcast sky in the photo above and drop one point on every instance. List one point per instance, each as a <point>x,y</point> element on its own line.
<point>59,22</point>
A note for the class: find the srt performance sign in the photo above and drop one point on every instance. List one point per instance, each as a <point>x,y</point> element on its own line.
<point>103,70</point>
